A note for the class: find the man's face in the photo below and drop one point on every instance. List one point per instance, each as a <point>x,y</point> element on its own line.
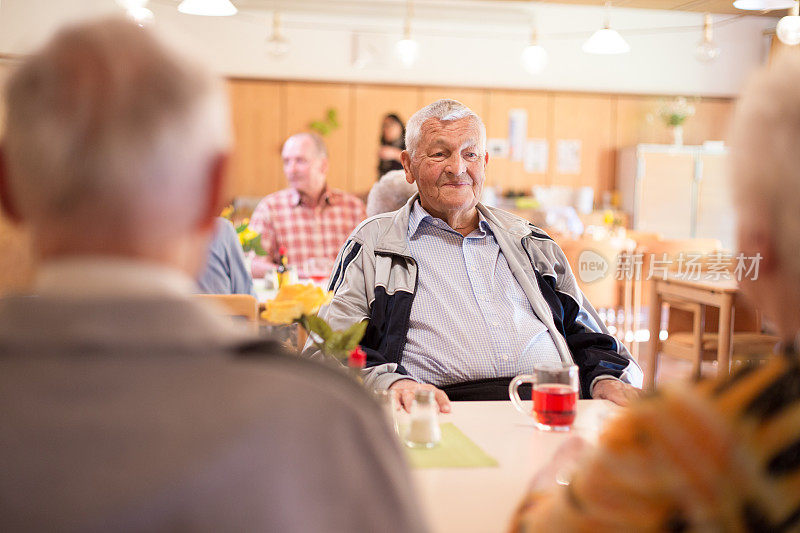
<point>448,167</point>
<point>304,168</point>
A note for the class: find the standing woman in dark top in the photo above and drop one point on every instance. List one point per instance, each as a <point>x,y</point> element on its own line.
<point>393,141</point>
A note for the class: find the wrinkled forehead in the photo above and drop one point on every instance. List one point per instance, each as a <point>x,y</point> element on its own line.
<point>455,134</point>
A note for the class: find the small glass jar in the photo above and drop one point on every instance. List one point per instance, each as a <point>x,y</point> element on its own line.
<point>423,430</point>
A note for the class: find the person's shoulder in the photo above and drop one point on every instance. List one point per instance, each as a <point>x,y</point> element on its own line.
<point>517,224</point>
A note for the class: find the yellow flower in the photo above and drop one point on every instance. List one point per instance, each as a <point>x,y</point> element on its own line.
<point>293,301</point>
<point>227,212</point>
<point>608,217</point>
<point>282,312</point>
<point>247,235</point>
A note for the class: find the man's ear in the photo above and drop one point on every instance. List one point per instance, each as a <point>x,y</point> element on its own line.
<point>486,159</point>
<point>405,158</point>
<point>6,202</point>
<point>216,191</point>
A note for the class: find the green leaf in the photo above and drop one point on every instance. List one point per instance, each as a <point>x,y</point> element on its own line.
<point>334,342</point>
<point>319,326</point>
<point>353,335</point>
<point>241,227</point>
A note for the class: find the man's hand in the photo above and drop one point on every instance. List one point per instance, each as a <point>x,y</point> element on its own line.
<point>616,391</point>
<point>407,387</point>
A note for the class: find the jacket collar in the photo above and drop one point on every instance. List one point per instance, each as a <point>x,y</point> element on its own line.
<point>394,239</point>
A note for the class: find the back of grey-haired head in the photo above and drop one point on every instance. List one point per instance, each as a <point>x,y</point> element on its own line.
<point>106,125</point>
<point>390,193</point>
<point>444,110</point>
<point>315,138</point>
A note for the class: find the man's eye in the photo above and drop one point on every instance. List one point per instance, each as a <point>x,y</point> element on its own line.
<point>437,154</point>
<point>471,155</point>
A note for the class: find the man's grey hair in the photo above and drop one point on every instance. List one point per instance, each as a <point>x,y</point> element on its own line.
<point>765,160</point>
<point>445,111</point>
<point>106,127</point>
<point>390,193</point>
<point>316,140</point>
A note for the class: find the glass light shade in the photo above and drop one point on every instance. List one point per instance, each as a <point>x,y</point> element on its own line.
<point>277,46</point>
<point>208,8</point>
<point>131,4</point>
<point>788,30</point>
<point>706,51</point>
<point>141,15</point>
<point>606,41</point>
<point>534,58</point>
<point>762,5</point>
<point>407,51</point>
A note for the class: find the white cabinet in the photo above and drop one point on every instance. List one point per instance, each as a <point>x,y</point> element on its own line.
<point>679,191</point>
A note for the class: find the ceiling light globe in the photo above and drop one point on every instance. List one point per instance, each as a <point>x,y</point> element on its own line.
<point>788,30</point>
<point>534,58</point>
<point>706,52</point>
<point>407,51</point>
<point>208,8</point>
<point>141,15</point>
<point>762,5</point>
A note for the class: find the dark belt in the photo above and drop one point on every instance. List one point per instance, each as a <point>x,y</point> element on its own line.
<point>484,390</point>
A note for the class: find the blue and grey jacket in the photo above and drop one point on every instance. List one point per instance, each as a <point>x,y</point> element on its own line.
<point>375,279</point>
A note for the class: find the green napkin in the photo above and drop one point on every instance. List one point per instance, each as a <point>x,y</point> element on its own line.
<point>455,450</point>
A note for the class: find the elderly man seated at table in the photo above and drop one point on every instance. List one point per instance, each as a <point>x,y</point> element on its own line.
<point>126,404</point>
<point>722,455</point>
<point>461,297</point>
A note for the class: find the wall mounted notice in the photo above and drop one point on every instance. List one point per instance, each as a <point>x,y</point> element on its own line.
<point>497,148</point>
<point>568,155</point>
<point>517,133</point>
<point>537,152</point>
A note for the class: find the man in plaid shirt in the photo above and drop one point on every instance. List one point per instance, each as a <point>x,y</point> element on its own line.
<point>308,219</point>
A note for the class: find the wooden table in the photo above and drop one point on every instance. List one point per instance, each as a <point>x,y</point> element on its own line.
<point>481,500</point>
<point>720,294</point>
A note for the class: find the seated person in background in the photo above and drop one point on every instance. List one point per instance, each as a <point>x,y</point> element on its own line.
<point>309,219</point>
<point>461,297</point>
<point>127,405</point>
<point>225,271</point>
<point>723,455</point>
<point>390,193</point>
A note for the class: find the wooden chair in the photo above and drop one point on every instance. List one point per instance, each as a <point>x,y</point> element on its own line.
<point>235,305</point>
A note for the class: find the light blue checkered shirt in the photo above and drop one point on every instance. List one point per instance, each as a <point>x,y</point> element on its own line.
<point>470,318</point>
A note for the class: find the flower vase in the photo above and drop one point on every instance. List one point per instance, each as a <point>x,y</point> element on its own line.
<point>677,135</point>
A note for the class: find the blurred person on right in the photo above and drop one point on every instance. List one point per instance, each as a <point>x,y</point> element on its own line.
<point>722,455</point>
<point>127,405</point>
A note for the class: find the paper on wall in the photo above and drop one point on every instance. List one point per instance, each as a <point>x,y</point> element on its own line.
<point>568,152</point>
<point>497,148</point>
<point>536,155</point>
<point>517,133</point>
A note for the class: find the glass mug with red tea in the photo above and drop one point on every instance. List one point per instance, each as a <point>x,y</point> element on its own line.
<point>555,395</point>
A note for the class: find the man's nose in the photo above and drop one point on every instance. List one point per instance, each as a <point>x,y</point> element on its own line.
<point>455,165</point>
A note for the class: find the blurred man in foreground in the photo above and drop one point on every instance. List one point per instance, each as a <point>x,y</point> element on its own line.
<point>125,404</point>
<point>723,455</point>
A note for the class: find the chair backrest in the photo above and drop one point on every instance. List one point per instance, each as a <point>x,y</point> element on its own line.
<point>235,305</point>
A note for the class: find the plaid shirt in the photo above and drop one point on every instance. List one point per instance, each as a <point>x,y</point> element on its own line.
<point>284,218</point>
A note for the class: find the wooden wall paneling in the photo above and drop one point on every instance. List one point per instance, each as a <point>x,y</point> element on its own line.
<point>256,113</point>
<point>637,122</point>
<point>370,104</point>
<point>587,118</point>
<point>502,172</point>
<point>475,99</point>
<point>710,121</point>
<point>307,102</point>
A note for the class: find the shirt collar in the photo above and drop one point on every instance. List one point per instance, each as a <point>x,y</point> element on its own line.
<point>419,214</point>
<point>108,276</point>
<point>329,197</point>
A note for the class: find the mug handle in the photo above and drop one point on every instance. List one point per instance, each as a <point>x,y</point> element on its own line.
<point>514,394</point>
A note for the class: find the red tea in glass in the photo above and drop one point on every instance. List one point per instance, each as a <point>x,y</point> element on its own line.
<point>555,395</point>
<point>554,404</point>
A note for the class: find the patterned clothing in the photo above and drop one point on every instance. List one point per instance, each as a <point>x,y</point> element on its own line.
<point>721,456</point>
<point>285,219</point>
<point>470,319</point>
